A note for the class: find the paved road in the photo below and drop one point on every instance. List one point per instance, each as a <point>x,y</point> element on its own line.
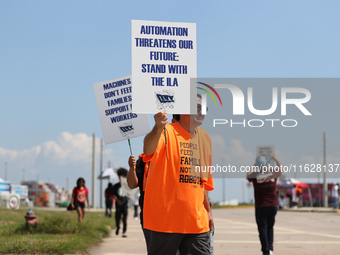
<point>296,233</point>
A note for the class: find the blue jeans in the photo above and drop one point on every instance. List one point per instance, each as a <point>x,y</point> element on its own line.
<point>335,202</point>
<point>265,219</point>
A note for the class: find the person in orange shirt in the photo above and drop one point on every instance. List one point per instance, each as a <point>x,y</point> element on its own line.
<point>137,177</point>
<point>176,204</point>
<point>298,196</point>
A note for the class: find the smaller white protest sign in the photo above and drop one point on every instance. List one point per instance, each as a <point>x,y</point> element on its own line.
<point>118,120</point>
<point>266,151</point>
<point>126,191</point>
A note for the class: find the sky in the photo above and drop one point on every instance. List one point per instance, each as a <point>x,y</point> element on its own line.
<point>51,54</point>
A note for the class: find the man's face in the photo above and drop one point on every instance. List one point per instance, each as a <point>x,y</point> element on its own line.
<point>194,120</point>
<point>197,120</point>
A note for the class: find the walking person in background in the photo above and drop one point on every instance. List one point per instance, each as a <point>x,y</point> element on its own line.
<point>137,178</point>
<point>266,201</point>
<point>108,200</point>
<point>298,196</point>
<point>335,196</point>
<point>121,202</point>
<point>135,204</point>
<point>78,198</point>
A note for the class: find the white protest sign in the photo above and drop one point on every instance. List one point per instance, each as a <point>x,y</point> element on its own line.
<point>163,61</point>
<point>126,191</point>
<point>266,151</point>
<point>118,120</point>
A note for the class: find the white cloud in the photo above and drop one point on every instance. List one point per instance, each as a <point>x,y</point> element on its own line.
<point>67,157</point>
<point>234,154</point>
<point>70,154</point>
<point>27,157</point>
<point>308,159</point>
<point>238,150</point>
<point>70,148</point>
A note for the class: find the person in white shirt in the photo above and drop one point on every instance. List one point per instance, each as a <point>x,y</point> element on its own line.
<point>335,195</point>
<point>136,203</point>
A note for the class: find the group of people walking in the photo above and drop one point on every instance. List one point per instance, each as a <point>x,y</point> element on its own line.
<point>80,194</point>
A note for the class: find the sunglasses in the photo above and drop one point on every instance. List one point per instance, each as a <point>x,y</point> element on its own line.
<point>199,108</point>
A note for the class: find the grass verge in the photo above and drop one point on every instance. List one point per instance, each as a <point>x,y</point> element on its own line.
<point>58,232</point>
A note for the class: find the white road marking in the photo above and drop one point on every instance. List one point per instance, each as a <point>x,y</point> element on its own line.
<point>281,229</point>
<point>276,242</point>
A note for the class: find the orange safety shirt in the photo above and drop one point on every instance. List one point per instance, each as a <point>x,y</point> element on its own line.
<point>174,192</point>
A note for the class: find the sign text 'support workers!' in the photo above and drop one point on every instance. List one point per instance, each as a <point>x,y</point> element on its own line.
<point>163,61</point>
<point>118,120</point>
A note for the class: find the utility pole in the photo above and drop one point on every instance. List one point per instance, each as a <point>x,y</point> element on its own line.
<point>101,171</point>
<point>243,199</point>
<point>67,187</point>
<point>319,190</point>
<point>23,174</point>
<point>109,166</point>
<point>223,183</point>
<point>325,188</point>
<point>93,171</point>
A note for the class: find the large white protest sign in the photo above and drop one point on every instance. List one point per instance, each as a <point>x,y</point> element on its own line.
<point>163,61</point>
<point>266,151</point>
<point>117,118</point>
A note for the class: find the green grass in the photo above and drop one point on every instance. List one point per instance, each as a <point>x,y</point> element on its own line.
<point>58,232</point>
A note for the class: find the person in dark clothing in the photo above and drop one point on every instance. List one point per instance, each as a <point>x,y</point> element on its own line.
<point>137,178</point>
<point>108,200</point>
<point>266,200</point>
<point>121,202</point>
